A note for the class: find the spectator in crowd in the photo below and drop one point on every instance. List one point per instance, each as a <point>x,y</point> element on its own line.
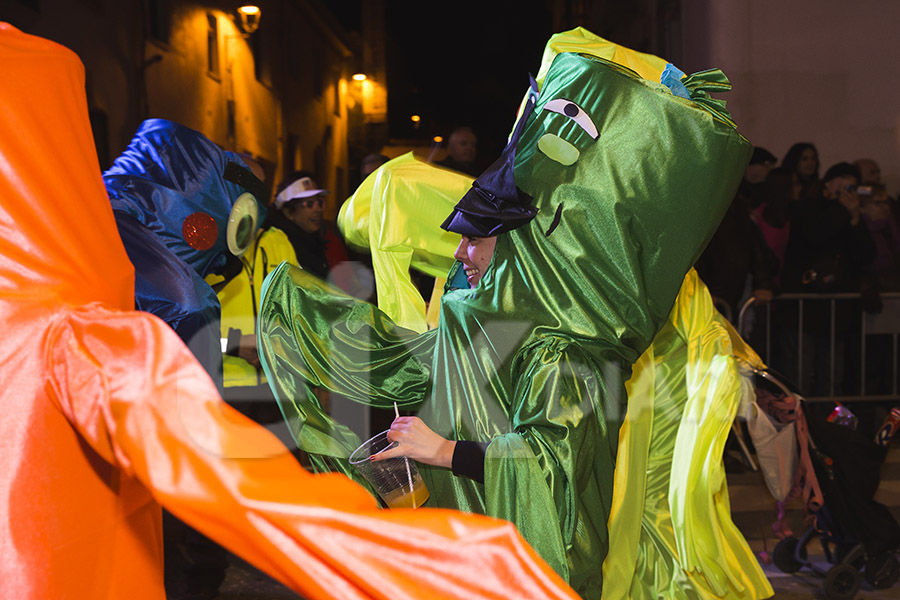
<point>737,255</point>
<point>829,243</point>
<point>802,161</point>
<point>828,248</point>
<point>877,213</point>
<point>298,210</point>
<point>462,150</point>
<point>869,171</point>
<point>876,210</point>
<point>779,193</point>
<point>370,163</point>
<point>752,185</point>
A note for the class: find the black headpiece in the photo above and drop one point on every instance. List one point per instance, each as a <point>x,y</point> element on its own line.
<point>494,205</point>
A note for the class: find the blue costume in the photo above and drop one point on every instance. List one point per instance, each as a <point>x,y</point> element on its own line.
<point>174,194</point>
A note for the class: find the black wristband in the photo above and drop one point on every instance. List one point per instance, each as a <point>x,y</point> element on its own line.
<point>233,345</point>
<point>468,459</point>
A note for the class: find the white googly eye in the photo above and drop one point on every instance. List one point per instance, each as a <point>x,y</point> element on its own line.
<point>242,224</point>
<point>574,112</point>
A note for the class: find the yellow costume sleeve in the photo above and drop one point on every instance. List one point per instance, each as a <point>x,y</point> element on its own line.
<point>671,526</point>
<point>396,214</point>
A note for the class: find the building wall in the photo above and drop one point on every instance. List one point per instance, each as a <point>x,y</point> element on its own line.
<point>314,92</point>
<point>292,114</point>
<point>822,71</point>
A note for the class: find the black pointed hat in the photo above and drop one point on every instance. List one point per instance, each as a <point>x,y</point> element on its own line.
<point>494,205</point>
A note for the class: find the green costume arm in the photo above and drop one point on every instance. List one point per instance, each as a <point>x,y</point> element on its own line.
<point>313,335</point>
<point>543,475</point>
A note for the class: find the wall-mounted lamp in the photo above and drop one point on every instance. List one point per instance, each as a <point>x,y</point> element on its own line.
<point>249,15</point>
<point>359,77</point>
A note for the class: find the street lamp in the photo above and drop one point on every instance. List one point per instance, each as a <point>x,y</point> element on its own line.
<point>249,16</point>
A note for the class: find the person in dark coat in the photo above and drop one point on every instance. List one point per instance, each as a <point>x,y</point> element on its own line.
<point>737,255</point>
<point>828,249</point>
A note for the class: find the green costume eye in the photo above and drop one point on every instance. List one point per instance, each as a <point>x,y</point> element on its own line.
<point>242,224</point>
<point>555,147</point>
<point>574,112</point>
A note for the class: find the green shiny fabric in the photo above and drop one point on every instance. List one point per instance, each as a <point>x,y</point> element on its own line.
<point>535,358</point>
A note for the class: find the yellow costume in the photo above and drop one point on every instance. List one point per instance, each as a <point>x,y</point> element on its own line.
<point>240,299</point>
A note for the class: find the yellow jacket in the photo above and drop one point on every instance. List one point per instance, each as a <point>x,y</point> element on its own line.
<point>240,299</point>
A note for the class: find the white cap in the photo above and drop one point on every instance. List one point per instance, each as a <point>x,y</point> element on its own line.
<point>302,188</point>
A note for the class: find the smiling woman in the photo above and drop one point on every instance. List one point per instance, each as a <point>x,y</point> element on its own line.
<point>298,208</point>
<point>476,254</point>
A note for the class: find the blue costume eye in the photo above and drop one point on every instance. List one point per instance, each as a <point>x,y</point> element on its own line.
<point>242,224</point>
<point>574,112</point>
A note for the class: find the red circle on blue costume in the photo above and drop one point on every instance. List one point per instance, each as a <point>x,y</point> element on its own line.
<point>200,231</point>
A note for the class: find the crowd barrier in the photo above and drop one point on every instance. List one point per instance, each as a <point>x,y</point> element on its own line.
<point>854,368</point>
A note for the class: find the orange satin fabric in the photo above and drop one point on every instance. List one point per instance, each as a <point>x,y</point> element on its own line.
<point>107,416</point>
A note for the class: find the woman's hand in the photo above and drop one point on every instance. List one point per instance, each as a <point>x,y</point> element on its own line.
<point>417,441</point>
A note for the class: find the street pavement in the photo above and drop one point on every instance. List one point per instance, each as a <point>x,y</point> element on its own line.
<point>753,511</point>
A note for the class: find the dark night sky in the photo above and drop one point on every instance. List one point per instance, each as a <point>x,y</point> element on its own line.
<point>462,62</point>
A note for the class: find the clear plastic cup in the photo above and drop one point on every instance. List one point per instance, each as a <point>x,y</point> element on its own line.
<point>396,480</point>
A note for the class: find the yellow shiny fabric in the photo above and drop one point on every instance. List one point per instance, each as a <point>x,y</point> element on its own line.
<point>670,526</point>
<point>239,299</point>
<point>580,40</point>
<point>396,215</point>
<point>107,416</point>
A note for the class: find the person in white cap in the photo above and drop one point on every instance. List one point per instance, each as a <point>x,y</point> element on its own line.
<point>299,203</point>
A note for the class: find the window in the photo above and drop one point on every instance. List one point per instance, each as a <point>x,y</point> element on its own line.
<point>212,45</point>
<point>336,82</point>
<point>158,20</point>
<point>262,67</point>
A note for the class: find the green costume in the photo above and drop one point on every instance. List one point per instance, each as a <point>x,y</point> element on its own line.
<point>628,185</point>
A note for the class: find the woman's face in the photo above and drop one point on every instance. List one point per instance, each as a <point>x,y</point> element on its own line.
<point>877,207</point>
<point>475,254</point>
<point>305,213</point>
<point>808,163</point>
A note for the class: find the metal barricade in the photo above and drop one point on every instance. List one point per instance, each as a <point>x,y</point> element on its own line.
<point>884,323</point>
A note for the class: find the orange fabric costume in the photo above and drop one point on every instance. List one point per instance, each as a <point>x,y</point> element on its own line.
<point>107,416</point>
